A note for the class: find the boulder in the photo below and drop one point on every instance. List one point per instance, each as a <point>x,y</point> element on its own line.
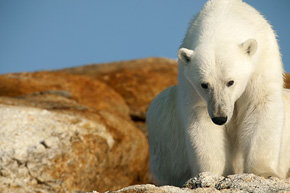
<point>51,143</point>
<point>138,81</point>
<point>85,90</point>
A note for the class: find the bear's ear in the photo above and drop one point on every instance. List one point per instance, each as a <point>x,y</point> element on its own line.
<point>250,47</point>
<point>185,55</point>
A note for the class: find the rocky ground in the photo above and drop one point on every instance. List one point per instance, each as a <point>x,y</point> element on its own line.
<point>211,183</point>
<point>83,129</point>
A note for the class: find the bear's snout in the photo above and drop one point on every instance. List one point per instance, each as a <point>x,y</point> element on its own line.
<point>219,120</point>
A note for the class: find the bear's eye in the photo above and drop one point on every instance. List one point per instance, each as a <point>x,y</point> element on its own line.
<point>204,85</point>
<point>230,83</point>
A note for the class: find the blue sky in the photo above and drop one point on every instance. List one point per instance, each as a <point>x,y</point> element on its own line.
<point>53,34</point>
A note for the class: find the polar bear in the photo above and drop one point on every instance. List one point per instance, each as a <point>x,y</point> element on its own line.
<point>229,112</point>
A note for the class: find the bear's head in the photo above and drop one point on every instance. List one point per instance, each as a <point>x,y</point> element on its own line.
<point>219,74</point>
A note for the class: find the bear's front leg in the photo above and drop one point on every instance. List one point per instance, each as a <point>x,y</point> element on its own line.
<point>206,145</point>
<point>261,134</point>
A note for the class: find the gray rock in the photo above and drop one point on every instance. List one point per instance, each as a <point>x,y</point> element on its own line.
<point>149,188</point>
<point>238,183</point>
<point>203,180</point>
<point>210,183</point>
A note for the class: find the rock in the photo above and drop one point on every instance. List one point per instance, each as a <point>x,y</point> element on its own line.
<point>204,180</point>
<point>51,143</point>
<point>85,90</point>
<point>149,188</point>
<point>287,80</point>
<point>238,183</point>
<point>208,182</point>
<point>138,81</point>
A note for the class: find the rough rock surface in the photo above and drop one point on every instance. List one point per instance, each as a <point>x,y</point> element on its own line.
<point>49,143</point>
<point>85,90</point>
<point>138,81</point>
<point>208,182</point>
<point>287,81</point>
<point>149,188</point>
<point>238,182</point>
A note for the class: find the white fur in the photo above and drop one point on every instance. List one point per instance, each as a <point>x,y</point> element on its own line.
<point>229,66</point>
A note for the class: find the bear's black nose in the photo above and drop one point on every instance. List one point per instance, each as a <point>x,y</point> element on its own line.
<point>219,120</point>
